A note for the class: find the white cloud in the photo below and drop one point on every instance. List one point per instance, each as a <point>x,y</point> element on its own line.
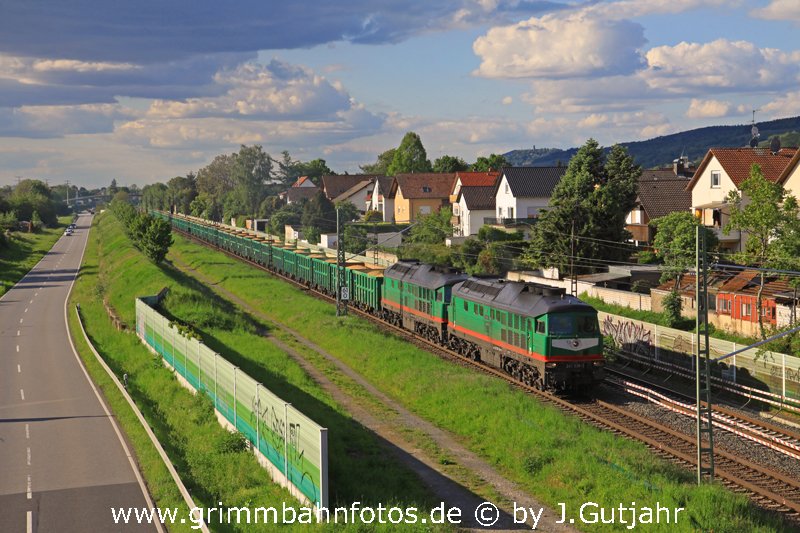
<point>275,91</point>
<point>688,68</point>
<point>779,10</point>
<point>507,100</point>
<point>708,108</point>
<point>787,105</point>
<point>625,9</point>
<point>556,46</point>
<point>58,121</point>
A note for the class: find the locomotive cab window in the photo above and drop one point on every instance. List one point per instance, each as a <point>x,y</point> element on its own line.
<point>587,324</point>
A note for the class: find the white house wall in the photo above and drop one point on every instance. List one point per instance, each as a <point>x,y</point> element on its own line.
<point>792,184</point>
<point>505,199</point>
<point>704,194</point>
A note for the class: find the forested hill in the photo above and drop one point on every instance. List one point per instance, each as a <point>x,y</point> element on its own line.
<point>661,151</point>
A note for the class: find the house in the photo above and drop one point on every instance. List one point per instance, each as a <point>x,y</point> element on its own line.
<point>733,300</point>
<point>302,189</point>
<point>420,194</point>
<point>473,205</point>
<point>472,199</point>
<point>354,188</point>
<point>723,170</point>
<point>522,192</point>
<point>660,192</point>
<point>790,177</point>
<point>382,199</point>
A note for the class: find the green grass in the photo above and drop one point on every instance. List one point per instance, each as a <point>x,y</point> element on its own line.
<point>24,250</point>
<point>210,459</point>
<point>556,458</point>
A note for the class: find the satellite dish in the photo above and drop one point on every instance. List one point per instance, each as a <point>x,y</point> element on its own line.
<point>754,132</point>
<point>753,142</point>
<point>775,145</point>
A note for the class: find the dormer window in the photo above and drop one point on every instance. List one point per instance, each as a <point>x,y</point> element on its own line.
<point>425,188</point>
<point>715,179</point>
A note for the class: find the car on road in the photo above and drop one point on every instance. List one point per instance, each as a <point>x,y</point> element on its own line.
<point>68,232</point>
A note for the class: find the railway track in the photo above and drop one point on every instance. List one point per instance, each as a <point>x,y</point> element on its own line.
<point>768,488</point>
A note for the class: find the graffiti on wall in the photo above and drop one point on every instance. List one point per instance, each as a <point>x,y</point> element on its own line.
<point>629,335</point>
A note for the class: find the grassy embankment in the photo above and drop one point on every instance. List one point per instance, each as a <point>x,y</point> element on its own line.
<point>210,460</point>
<point>556,458</point>
<point>24,250</point>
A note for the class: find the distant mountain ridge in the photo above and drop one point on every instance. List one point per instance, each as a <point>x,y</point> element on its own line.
<point>661,151</point>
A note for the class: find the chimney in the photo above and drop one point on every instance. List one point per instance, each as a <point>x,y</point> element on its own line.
<point>677,166</point>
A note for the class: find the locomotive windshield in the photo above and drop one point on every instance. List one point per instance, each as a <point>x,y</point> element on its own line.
<point>561,324</point>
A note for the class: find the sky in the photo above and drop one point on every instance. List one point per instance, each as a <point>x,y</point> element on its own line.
<point>144,91</point>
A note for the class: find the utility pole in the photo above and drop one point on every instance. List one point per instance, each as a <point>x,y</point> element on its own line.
<point>573,279</point>
<point>342,291</point>
<point>705,453</point>
<point>67,193</point>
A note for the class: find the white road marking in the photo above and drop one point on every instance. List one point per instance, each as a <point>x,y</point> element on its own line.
<point>19,369</point>
<point>22,393</point>
<point>17,333</point>
<point>30,496</point>
<point>29,456</point>
<point>29,527</point>
<point>17,348</point>
<point>26,310</point>
<point>20,321</point>
<point>27,431</point>
<point>36,293</point>
<point>30,301</point>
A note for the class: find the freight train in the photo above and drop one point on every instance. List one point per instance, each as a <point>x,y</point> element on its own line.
<point>538,334</point>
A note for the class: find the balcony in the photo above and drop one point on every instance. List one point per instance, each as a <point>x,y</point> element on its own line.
<point>455,220</point>
<point>732,236</point>
<point>509,222</point>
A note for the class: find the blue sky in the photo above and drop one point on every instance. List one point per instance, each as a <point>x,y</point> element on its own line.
<point>143,91</point>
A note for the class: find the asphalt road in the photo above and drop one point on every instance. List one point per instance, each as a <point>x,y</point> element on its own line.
<point>62,461</point>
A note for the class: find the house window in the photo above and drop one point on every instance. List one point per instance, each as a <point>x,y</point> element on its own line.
<point>506,188</point>
<point>746,310</point>
<point>455,209</point>
<point>510,212</point>
<point>715,179</point>
<point>499,212</point>
<point>425,210</point>
<point>425,188</point>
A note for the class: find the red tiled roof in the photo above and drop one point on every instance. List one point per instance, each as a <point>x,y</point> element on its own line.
<point>747,282</point>
<point>661,192</point>
<point>789,168</point>
<point>737,162</point>
<point>478,179</point>
<point>300,181</point>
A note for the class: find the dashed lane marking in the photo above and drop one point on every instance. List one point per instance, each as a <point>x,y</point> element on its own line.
<point>22,393</point>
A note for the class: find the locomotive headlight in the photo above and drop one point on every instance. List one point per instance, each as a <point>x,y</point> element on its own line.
<point>599,363</point>
<point>550,365</point>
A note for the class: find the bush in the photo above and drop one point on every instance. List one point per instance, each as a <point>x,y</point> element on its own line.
<point>647,257</point>
<point>672,308</point>
<point>373,216</point>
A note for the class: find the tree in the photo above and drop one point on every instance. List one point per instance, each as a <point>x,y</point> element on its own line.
<point>410,156</point>
<point>155,196</point>
<point>675,244</point>
<point>215,181</point>
<point>381,165</point>
<point>433,228</point>
<point>251,170</point>
<point>487,164</point>
<point>449,164</point>
<point>33,196</point>
<point>181,191</point>
<point>765,214</point>
<point>156,239</point>
<point>347,211</point>
<point>287,215</point>
<point>112,189</point>
<point>314,169</point>
<point>319,216</point>
<point>590,202</point>
<point>373,216</point>
<point>121,196</point>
